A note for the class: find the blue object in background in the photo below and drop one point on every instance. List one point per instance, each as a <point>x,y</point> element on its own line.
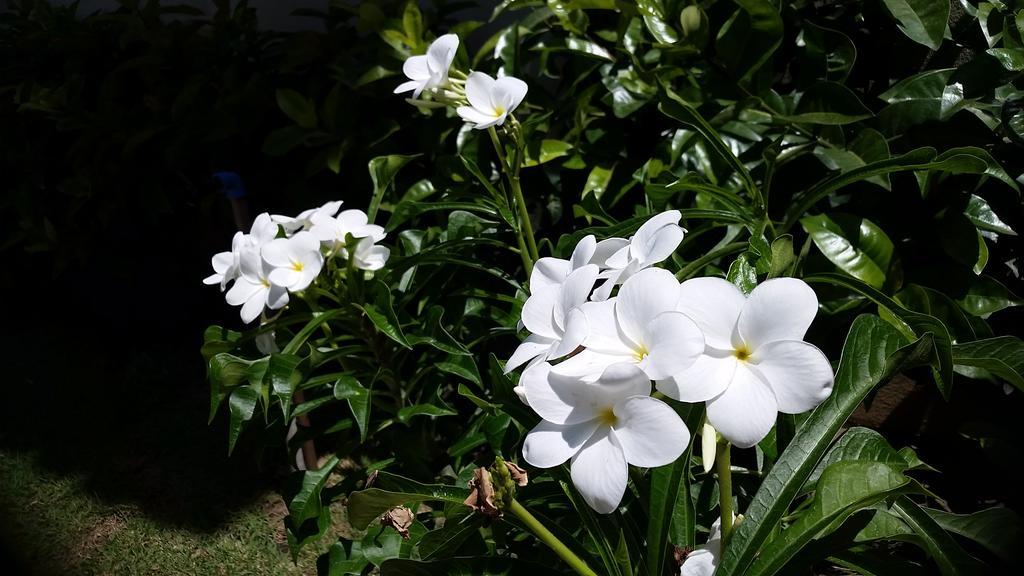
<point>231,184</point>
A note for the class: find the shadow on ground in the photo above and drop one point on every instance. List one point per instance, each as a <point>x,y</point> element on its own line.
<point>103,380</point>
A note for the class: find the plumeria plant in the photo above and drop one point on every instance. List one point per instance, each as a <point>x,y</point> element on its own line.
<point>656,381</point>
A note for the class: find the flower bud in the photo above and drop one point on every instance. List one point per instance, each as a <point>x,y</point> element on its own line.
<point>690,19</point>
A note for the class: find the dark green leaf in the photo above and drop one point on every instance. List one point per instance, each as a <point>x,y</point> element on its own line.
<point>982,216</point>
<point>484,566</point>
<point>300,109</point>
<point>349,389</point>
<point>382,172</point>
<point>390,490</point>
<point>242,403</point>
<point>828,103</point>
<point>669,484</point>
<point>856,246</point>
<point>656,20</point>
<point>942,548</point>
<point>844,488</point>
<point>999,530</point>
<point>923,21</point>
<point>1002,356</point>
<point>986,296</point>
<point>750,37</point>
<point>304,497</point>
<point>872,353</point>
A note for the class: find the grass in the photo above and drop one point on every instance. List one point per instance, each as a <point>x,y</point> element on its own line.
<point>56,527</point>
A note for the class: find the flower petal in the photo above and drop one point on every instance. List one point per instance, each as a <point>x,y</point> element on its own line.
<point>576,330</point>
<point>549,445</point>
<point>549,272</point>
<point>706,378</point>
<point>673,343</point>
<point>539,313</point>
<point>240,292</point>
<point>649,431</point>
<point>441,53</point>
<point>657,238</point>
<point>253,306</point>
<point>599,471</point>
<point>606,248</point>
<point>285,277</point>
<point>533,346</point>
<point>604,335</point>
<point>278,252</point>
<point>416,67</point>
<point>562,399</point>
<point>583,252</point>
<point>575,291</point>
<point>702,561</point>
<point>778,309</point>
<point>480,119</point>
<point>799,374</point>
<point>715,305</point>
<point>647,294</point>
<point>479,87</point>
<point>589,364</point>
<point>622,380</point>
<point>508,92</point>
<point>746,411</point>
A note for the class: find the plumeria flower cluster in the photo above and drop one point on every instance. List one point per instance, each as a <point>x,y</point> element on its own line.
<point>478,98</point>
<point>591,358</point>
<point>283,255</point>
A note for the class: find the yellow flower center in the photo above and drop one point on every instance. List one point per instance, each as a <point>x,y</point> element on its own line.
<point>265,282</point>
<point>640,353</point>
<point>741,353</point>
<point>297,266</point>
<point>498,111</point>
<point>607,417</point>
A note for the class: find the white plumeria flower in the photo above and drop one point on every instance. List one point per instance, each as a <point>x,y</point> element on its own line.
<point>368,256</point>
<point>640,326</point>
<point>703,560</point>
<point>553,316</point>
<point>490,100</point>
<point>296,261</point>
<point>253,290</point>
<point>755,362</point>
<point>332,231</point>
<point>430,70</point>
<point>602,426</point>
<point>304,221</point>
<point>549,271</point>
<point>653,242</point>
<point>226,264</point>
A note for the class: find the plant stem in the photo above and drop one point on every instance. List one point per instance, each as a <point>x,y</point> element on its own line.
<point>723,465</point>
<point>524,234</point>
<point>545,535</point>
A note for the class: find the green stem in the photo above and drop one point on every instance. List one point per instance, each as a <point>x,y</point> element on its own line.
<point>545,535</point>
<point>524,234</point>
<point>695,266</point>
<point>723,465</point>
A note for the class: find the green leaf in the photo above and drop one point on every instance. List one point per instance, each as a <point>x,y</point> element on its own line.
<point>872,353</point>
<point>981,215</point>
<point>743,273</point>
<point>302,335</point>
<point>923,21</point>
<point>482,566</point>
<point>545,151</point>
<point>856,246</point>
<point>676,108</point>
<point>656,20</point>
<point>999,530</point>
<point>919,324</point>
<point>284,140</point>
<point>1002,356</point>
<point>382,172</point>
<point>282,377</point>
<point>750,37</point>
<point>383,316</point>
<point>300,109</point>
<point>597,181</point>
<point>869,146</point>
<point>391,490</point>
<point>860,445</point>
<point>826,53</point>
<point>844,488</point>
<point>304,496</point>
<point>1011,58</point>
<point>242,404</point>
<point>986,296</point>
<point>410,412</point>
<point>379,547</point>
<point>919,159</point>
<point>349,389</point>
<point>830,104</point>
<point>942,548</point>
<point>444,542</point>
<point>668,484</point>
